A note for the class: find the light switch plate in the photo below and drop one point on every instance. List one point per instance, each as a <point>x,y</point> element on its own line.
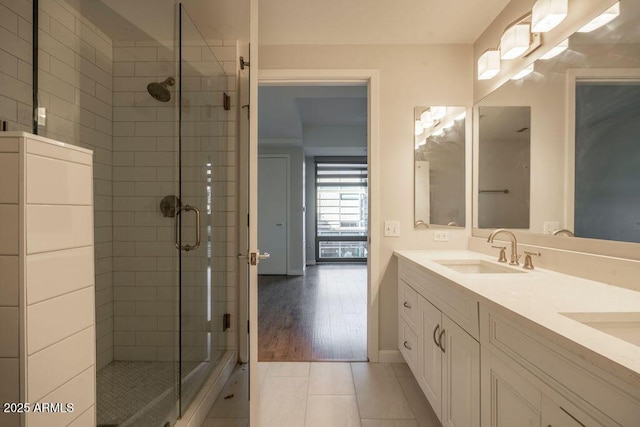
<point>392,229</point>
<point>440,236</point>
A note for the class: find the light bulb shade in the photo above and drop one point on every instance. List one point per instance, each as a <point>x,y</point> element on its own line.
<point>515,41</point>
<point>438,112</point>
<point>418,129</point>
<point>602,19</point>
<point>547,14</point>
<point>426,120</point>
<point>488,64</point>
<point>524,72</point>
<point>557,50</point>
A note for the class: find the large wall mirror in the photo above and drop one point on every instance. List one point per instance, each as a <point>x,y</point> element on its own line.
<point>569,131</point>
<point>439,166</point>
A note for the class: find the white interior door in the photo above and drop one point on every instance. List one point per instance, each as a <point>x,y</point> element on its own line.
<point>273,186</point>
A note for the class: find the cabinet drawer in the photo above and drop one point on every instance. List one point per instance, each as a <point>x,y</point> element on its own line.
<point>409,305</point>
<point>409,346</point>
<point>446,295</point>
<point>561,370</point>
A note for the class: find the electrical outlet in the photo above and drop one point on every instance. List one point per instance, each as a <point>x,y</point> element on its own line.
<point>392,228</point>
<point>41,116</point>
<point>440,236</point>
<point>550,226</point>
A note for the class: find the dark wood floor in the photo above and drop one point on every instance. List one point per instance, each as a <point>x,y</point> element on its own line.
<point>319,316</point>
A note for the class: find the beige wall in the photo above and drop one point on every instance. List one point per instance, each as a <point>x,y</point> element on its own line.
<point>409,76</point>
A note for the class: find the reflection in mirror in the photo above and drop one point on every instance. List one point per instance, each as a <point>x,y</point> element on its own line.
<point>607,186</point>
<point>503,167</point>
<point>583,171</point>
<point>440,140</point>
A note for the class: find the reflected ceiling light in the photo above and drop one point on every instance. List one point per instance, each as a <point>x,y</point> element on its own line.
<point>438,112</point>
<point>426,120</point>
<point>448,125</point>
<point>439,132</point>
<point>461,116</point>
<point>515,41</point>
<point>555,51</point>
<point>524,72</point>
<point>418,128</point>
<point>421,143</point>
<point>488,65</point>
<point>547,14</point>
<point>603,19</point>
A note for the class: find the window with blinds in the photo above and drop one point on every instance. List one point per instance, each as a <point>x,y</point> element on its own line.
<point>341,209</point>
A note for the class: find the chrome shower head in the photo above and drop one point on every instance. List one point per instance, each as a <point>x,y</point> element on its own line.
<point>159,90</point>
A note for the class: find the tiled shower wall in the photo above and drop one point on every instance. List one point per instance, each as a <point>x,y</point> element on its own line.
<point>74,86</point>
<point>145,136</point>
<point>15,64</point>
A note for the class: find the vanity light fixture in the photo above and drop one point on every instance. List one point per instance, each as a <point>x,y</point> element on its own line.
<point>524,72</point>
<point>418,128</point>
<point>426,119</point>
<point>515,41</point>
<point>489,65</point>
<point>547,14</point>
<point>603,19</point>
<point>557,50</point>
<point>460,116</point>
<point>438,112</point>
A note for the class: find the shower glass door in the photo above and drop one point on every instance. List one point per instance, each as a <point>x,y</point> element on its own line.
<point>205,178</point>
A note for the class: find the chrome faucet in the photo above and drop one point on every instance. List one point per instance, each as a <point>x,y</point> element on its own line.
<point>564,231</point>
<point>514,244</point>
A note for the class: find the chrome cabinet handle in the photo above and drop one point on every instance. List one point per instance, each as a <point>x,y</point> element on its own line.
<point>264,255</point>
<point>435,331</point>
<point>188,208</point>
<point>407,305</point>
<point>440,344</point>
<point>407,346</point>
<point>280,224</point>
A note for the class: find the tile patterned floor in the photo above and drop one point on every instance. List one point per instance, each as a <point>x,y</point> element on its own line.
<point>322,394</point>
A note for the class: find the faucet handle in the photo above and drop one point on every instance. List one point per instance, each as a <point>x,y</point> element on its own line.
<point>503,255</point>
<point>528,262</point>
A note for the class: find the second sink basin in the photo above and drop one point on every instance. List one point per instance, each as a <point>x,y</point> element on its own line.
<point>623,325</point>
<point>476,266</point>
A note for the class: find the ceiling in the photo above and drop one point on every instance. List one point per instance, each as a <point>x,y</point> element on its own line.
<point>374,22</point>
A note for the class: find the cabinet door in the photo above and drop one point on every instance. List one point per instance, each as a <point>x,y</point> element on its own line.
<point>409,345</point>
<point>508,400</point>
<point>460,377</point>
<point>555,415</point>
<point>430,378</point>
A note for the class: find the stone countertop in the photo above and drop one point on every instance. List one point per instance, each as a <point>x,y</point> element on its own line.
<point>540,296</point>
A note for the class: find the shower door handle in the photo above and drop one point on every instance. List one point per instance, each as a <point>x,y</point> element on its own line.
<point>188,208</point>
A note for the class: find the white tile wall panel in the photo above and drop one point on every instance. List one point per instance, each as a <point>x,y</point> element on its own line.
<point>52,320</point>
<point>70,357</point>
<point>52,181</point>
<point>68,270</point>
<point>58,227</point>
<point>9,178</point>
<point>78,390</point>
<point>9,331</point>
<point>9,217</point>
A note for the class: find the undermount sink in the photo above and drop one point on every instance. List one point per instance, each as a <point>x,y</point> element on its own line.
<point>476,266</point>
<point>625,326</point>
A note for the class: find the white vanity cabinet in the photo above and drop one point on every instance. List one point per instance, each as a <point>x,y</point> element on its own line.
<point>443,356</point>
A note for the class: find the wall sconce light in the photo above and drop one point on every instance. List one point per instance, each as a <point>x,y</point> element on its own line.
<point>515,41</point>
<point>418,128</point>
<point>524,72</point>
<point>604,18</point>
<point>555,51</point>
<point>547,14</point>
<point>488,64</point>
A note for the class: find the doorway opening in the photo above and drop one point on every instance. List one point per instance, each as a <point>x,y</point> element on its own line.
<point>313,216</point>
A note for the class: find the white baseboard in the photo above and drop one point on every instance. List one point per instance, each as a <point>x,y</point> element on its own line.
<point>390,356</point>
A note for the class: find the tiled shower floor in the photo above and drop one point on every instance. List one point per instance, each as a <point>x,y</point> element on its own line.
<point>136,393</point>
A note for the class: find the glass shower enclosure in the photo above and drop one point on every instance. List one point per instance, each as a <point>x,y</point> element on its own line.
<point>138,84</point>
